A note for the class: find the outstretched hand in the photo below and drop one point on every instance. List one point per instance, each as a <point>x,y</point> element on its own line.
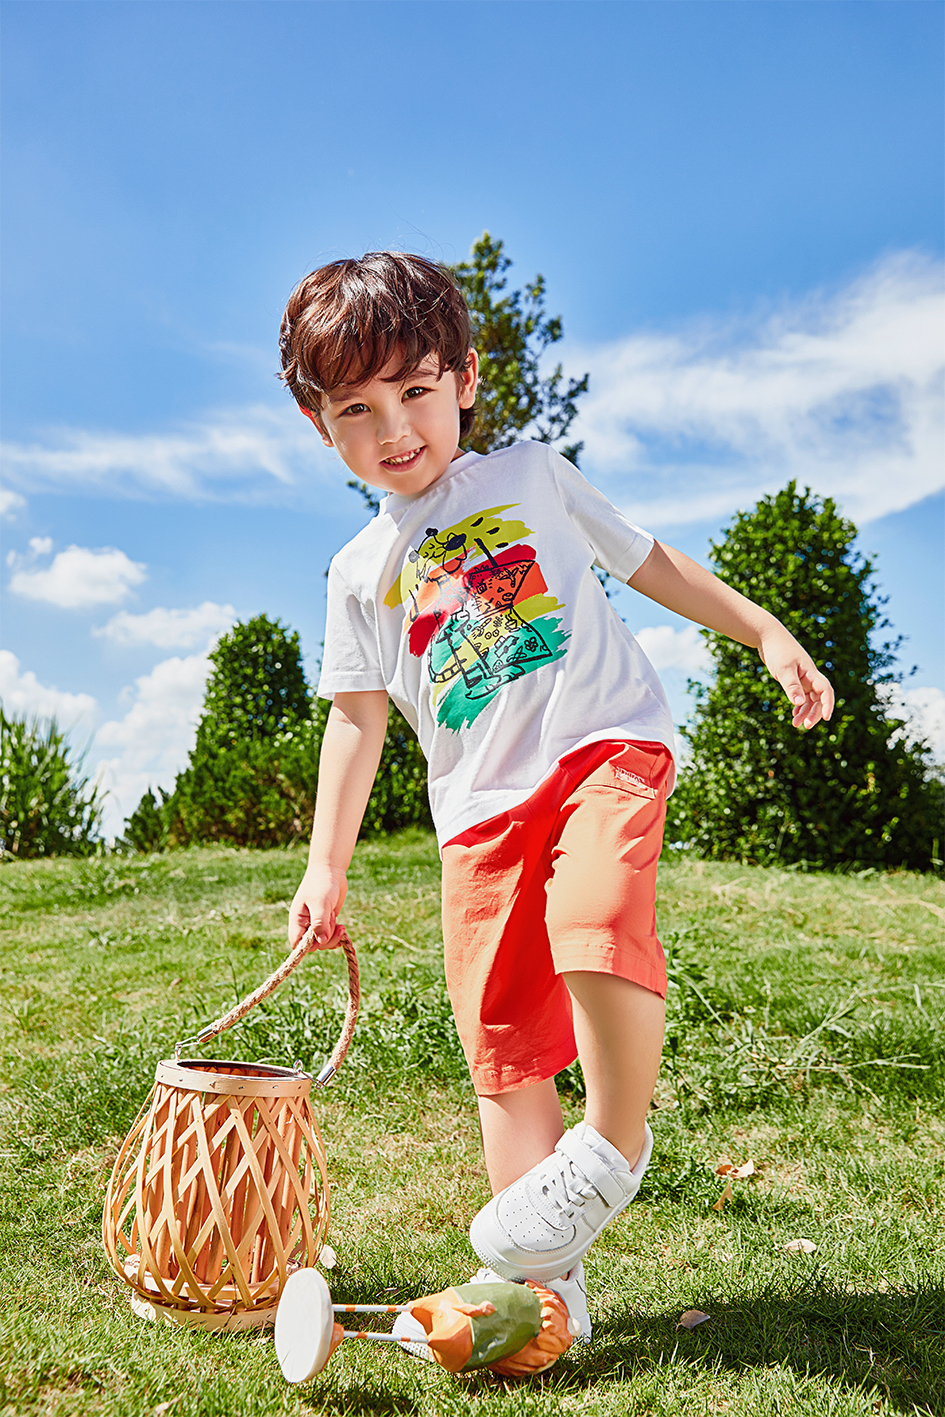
<point>810,692</point>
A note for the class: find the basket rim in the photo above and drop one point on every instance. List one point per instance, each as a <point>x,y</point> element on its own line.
<point>229,1066</point>
<point>227,1075</point>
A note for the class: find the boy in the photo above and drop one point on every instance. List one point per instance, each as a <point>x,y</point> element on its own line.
<point>471,601</point>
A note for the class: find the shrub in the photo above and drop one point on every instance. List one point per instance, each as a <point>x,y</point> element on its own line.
<point>252,774</point>
<point>46,807</point>
<point>852,792</point>
<point>252,793</point>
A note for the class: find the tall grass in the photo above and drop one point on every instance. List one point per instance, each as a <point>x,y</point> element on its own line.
<point>47,807</point>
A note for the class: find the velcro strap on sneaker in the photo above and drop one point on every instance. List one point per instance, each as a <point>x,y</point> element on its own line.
<point>591,1166</point>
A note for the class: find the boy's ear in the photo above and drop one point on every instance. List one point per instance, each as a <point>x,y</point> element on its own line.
<point>467,379</point>
<point>316,421</point>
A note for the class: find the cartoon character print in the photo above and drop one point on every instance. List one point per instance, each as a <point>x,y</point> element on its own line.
<point>477,607</point>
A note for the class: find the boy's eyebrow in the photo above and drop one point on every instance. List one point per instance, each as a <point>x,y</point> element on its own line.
<point>347,391</point>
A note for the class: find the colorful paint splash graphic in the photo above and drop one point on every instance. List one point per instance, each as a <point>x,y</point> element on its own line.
<point>477,607</point>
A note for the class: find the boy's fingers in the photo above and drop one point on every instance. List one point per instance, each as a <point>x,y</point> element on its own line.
<point>328,938</point>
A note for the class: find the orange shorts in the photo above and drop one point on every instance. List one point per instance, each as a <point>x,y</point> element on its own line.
<point>566,881</point>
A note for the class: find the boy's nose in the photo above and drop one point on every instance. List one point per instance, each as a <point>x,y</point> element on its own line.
<point>392,426</point>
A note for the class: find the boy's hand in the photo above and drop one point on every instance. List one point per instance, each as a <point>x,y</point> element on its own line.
<point>809,691</point>
<point>318,900</point>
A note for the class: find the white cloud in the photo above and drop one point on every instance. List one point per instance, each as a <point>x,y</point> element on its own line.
<point>924,712</point>
<point>667,648</point>
<point>23,695</point>
<point>249,453</point>
<point>10,503</point>
<point>151,744</point>
<point>169,629</point>
<point>78,577</point>
<point>841,391</point>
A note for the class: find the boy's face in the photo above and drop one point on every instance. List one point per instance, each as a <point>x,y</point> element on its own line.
<point>399,436</point>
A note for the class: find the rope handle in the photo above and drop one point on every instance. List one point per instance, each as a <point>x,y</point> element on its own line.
<point>303,948</point>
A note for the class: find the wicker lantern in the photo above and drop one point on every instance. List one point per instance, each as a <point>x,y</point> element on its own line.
<point>220,1192</point>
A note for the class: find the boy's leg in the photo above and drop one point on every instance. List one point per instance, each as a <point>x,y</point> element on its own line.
<point>619,1030</point>
<point>601,925</point>
<point>618,1026</point>
<point>519,1129</point>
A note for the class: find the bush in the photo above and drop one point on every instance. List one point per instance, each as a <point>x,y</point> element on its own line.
<point>46,807</point>
<point>253,793</point>
<point>146,828</point>
<point>252,774</point>
<point>852,792</point>
<point>399,797</point>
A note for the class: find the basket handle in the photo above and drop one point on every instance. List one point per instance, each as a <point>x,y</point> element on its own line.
<point>275,979</point>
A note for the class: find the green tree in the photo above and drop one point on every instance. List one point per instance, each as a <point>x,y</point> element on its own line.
<point>251,776</point>
<point>146,828</point>
<point>511,333</point>
<point>257,687</point>
<point>257,793</point>
<point>399,796</point>
<point>852,792</point>
<point>47,808</point>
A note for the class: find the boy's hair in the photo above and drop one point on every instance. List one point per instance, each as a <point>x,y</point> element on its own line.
<point>344,322</point>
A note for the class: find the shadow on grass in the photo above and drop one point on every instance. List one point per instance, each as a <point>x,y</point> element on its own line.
<point>364,1402</point>
<point>891,1343</point>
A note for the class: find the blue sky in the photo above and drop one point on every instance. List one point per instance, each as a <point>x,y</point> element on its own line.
<point>737,208</point>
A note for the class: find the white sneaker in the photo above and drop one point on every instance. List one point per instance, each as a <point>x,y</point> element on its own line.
<point>573,1291</point>
<point>541,1225</point>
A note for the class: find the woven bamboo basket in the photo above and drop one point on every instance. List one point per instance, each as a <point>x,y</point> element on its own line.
<point>220,1191</point>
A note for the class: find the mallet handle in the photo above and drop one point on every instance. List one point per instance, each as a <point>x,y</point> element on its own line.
<point>378,1337</point>
<point>370,1308</point>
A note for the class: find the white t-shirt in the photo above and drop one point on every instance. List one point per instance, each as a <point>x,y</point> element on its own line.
<point>475,605</point>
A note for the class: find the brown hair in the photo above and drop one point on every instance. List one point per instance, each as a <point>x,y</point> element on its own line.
<point>344,322</point>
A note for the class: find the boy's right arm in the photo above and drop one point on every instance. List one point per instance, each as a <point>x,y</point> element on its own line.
<point>350,753</point>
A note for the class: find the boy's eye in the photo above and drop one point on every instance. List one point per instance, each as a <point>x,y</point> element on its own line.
<point>412,392</point>
<point>356,408</point>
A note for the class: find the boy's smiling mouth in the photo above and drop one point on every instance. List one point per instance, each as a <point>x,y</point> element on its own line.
<point>403,459</point>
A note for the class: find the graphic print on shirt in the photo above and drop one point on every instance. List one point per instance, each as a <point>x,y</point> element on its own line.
<point>477,608</point>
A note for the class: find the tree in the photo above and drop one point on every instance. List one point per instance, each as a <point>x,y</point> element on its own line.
<point>146,828</point>
<point>852,792</point>
<point>257,688</point>
<point>511,333</point>
<point>47,808</point>
<point>251,776</point>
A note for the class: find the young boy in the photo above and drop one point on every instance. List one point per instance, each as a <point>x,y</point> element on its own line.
<point>471,601</point>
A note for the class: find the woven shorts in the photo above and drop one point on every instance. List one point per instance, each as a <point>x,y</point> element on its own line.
<point>565,881</point>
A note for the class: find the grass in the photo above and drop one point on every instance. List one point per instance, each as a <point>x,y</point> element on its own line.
<point>805,1033</point>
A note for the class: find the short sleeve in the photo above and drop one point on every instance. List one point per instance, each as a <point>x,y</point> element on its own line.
<point>619,547</point>
<point>351,661</point>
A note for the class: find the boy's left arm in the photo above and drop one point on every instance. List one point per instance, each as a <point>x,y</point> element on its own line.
<point>682,585</point>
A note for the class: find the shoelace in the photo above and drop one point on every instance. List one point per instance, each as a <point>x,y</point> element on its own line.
<point>566,1188</point>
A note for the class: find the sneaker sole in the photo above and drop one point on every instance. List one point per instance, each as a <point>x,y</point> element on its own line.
<point>560,1264</point>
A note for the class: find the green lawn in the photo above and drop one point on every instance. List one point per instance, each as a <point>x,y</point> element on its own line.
<point>805,1034</point>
